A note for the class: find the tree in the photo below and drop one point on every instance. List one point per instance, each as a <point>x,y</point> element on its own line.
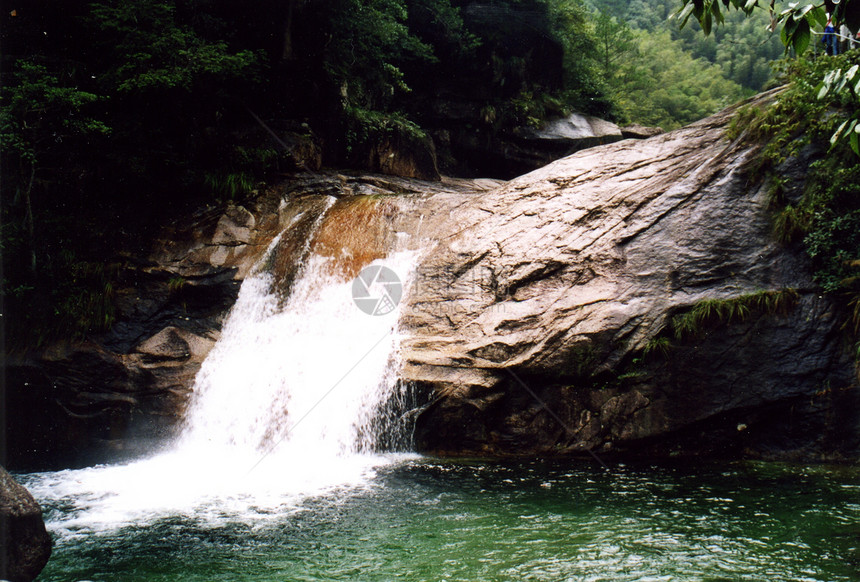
<point>661,84</point>
<point>37,114</point>
<point>584,85</point>
<point>614,42</point>
<point>744,48</point>
<point>153,51</point>
<point>797,21</point>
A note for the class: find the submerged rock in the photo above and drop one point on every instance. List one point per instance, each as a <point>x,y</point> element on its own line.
<point>24,541</point>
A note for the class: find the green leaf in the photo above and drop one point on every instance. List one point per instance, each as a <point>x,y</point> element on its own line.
<point>820,16</point>
<point>783,36</point>
<point>835,137</point>
<point>855,142</point>
<point>843,80</point>
<point>804,11</point>
<point>801,39</point>
<point>684,15</point>
<point>715,10</point>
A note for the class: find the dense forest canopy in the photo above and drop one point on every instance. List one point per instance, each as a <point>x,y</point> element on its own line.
<point>117,113</point>
<point>668,76</point>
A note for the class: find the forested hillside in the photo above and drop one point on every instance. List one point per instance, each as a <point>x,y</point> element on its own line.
<point>662,74</point>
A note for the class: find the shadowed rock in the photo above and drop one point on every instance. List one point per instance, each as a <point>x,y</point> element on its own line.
<point>24,542</point>
<point>640,131</point>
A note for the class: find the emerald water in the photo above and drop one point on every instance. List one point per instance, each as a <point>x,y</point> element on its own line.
<point>414,518</point>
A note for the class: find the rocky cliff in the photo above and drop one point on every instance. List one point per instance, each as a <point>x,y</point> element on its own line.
<point>628,298</point>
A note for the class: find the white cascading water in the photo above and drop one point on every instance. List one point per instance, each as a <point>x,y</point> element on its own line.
<point>283,407</point>
<point>302,380</point>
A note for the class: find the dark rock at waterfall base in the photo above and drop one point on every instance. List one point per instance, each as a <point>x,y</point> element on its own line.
<point>85,405</point>
<point>24,542</point>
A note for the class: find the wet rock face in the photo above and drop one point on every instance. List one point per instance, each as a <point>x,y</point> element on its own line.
<point>539,316</point>
<point>125,392</point>
<point>24,542</point>
<point>566,281</point>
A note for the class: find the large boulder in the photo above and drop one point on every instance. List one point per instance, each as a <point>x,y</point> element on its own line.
<point>533,148</point>
<point>401,154</point>
<point>548,316</point>
<point>507,154</point>
<point>25,545</point>
<point>637,131</point>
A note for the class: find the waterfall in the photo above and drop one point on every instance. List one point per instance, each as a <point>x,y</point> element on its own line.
<point>298,377</point>
<point>292,401</point>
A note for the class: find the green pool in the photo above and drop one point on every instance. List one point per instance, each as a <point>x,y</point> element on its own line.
<point>414,518</point>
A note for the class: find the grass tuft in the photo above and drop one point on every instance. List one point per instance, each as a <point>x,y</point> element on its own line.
<point>714,312</point>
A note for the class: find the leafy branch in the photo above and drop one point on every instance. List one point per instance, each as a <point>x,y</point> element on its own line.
<point>839,83</point>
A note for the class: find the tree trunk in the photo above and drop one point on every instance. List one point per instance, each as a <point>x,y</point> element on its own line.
<point>30,223</point>
<point>287,47</point>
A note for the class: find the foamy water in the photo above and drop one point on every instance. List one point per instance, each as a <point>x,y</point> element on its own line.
<point>285,406</point>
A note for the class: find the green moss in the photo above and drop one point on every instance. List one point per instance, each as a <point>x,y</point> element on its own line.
<point>230,185</point>
<point>790,224</point>
<point>176,284</point>
<point>583,358</point>
<point>747,123</point>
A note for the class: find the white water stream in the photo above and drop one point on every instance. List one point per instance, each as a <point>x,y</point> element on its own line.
<point>286,405</point>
